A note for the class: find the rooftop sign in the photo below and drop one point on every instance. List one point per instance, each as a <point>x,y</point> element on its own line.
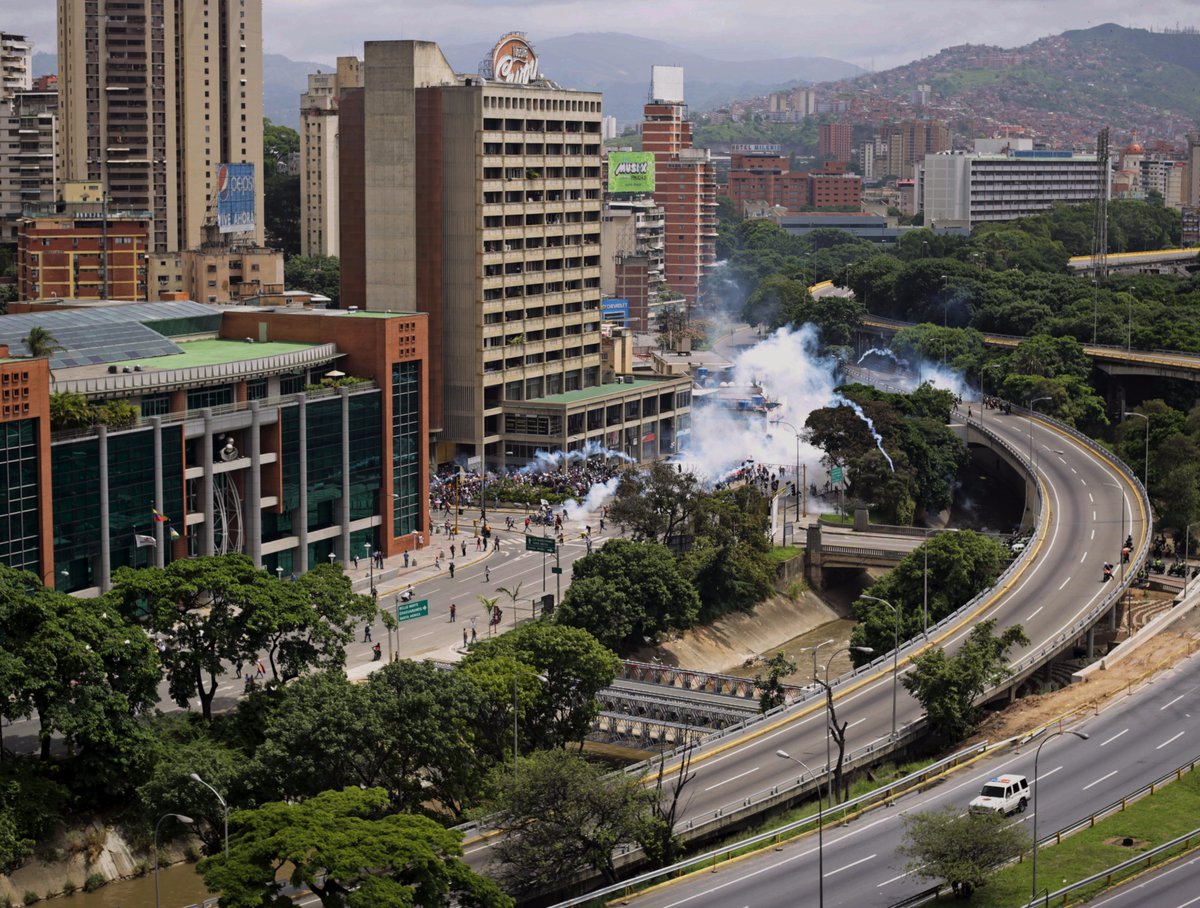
<point>512,61</point>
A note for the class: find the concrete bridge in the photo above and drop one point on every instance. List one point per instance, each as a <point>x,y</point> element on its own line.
<point>1162,261</point>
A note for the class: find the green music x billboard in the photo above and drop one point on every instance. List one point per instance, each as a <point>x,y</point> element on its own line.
<point>631,171</point>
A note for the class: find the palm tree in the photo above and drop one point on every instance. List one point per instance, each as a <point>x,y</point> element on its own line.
<point>40,342</point>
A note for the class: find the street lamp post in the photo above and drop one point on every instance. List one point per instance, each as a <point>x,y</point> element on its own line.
<point>195,777</point>
<point>784,755</point>
<point>1121,491</point>
<point>516,713</point>
<point>895,654</point>
<point>796,475</point>
<point>1083,737</point>
<point>1187,550</point>
<point>1145,463</point>
<point>371,567</point>
<point>1033,402</point>
<point>182,819</point>
<point>945,319</point>
<point>1095,309</point>
<point>279,573</point>
<point>332,556</point>
<point>1129,330</point>
<point>983,385</point>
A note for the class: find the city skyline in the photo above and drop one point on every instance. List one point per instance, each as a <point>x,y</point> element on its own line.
<point>869,33</point>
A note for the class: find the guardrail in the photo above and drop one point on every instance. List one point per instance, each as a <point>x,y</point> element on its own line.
<point>862,802</point>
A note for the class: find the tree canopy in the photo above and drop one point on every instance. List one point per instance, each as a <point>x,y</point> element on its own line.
<point>960,849</point>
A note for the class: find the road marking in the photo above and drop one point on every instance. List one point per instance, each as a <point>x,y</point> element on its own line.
<point>1065,582</point>
<point>1099,780</point>
<point>1093,515</point>
<point>1168,741</point>
<point>1084,558</point>
<point>869,857</point>
<point>1093,534</point>
<point>895,878</point>
<point>1047,775</point>
<point>1073,470</point>
<point>1084,481</point>
<point>732,779</point>
<point>419,636</point>
<point>863,719</point>
<point>1090,498</point>
<point>1034,613</point>
<point>1114,737</point>
<point>1172,703</point>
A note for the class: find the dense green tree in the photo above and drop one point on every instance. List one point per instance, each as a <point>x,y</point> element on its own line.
<point>351,851</point>
<point>408,730</point>
<point>961,565</point>
<point>562,815</point>
<point>960,849</point>
<point>655,504</point>
<point>771,692</point>
<point>202,609</point>
<point>776,301</point>
<point>728,562</point>
<point>572,667</point>
<point>948,687</point>
<point>69,410</point>
<point>626,592</point>
<point>84,670</point>
<point>31,805</point>
<point>314,273</point>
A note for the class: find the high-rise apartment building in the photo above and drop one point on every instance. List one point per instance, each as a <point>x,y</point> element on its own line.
<point>28,156</point>
<point>154,95</point>
<point>685,184</point>
<point>835,141</point>
<point>16,65</point>
<point>1191,178</point>
<point>910,141</point>
<point>632,262</point>
<point>319,156</point>
<point>480,203</point>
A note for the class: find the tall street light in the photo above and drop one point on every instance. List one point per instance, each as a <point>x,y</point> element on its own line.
<point>1187,551</point>
<point>1081,736</point>
<point>982,385</point>
<point>1129,330</point>
<point>195,777</point>
<point>1121,492</point>
<point>1032,404</point>
<point>187,821</point>
<point>1146,463</point>
<point>945,318</point>
<point>796,475</point>
<point>895,655</point>
<point>784,755</point>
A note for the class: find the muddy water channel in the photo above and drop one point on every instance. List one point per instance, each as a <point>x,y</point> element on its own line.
<point>180,885</point>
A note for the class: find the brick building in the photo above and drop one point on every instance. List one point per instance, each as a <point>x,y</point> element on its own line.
<point>835,142</point>
<point>766,178</point>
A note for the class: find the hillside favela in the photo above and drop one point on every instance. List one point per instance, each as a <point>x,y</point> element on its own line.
<point>480,455</point>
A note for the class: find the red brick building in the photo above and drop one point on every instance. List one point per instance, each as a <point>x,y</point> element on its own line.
<point>835,141</point>
<point>686,190</point>
<point>766,178</point>
<point>82,255</point>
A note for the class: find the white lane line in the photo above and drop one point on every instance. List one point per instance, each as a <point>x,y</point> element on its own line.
<point>1033,614</point>
<point>869,857</point>
<point>863,719</point>
<point>1093,515</point>
<point>1168,741</point>
<point>1114,737</point>
<point>1093,534</point>
<point>419,636</point>
<point>1172,703</point>
<point>732,779</point>
<point>1084,558</point>
<point>1099,780</point>
<point>1084,481</point>
<point>1073,470</point>
<point>1064,583</point>
<point>894,879</point>
<point>1090,498</point>
<point>1047,775</point>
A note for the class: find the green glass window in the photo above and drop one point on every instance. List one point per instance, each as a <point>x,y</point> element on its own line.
<point>407,494</point>
<point>20,545</point>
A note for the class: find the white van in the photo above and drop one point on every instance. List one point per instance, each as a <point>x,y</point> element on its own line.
<point>1003,794</point>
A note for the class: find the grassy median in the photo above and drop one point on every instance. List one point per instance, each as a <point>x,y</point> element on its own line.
<point>1171,812</point>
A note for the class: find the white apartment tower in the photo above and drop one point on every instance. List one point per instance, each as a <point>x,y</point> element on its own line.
<point>16,65</point>
<point>319,156</point>
<point>154,95</point>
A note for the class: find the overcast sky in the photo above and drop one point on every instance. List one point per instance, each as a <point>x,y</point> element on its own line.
<point>879,33</point>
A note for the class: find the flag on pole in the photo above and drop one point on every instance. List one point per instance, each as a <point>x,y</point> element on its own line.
<point>159,518</point>
<point>174,533</point>
<point>142,540</point>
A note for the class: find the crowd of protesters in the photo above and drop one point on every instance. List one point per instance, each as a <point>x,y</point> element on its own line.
<point>574,480</point>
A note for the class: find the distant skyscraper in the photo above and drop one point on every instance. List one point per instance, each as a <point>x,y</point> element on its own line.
<point>686,186</point>
<point>1191,180</point>
<point>16,65</point>
<point>319,156</point>
<point>154,95</point>
<point>28,166</point>
<point>834,142</point>
<point>911,141</point>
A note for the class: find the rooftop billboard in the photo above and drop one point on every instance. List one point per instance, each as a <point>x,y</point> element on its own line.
<point>631,171</point>
<point>235,198</point>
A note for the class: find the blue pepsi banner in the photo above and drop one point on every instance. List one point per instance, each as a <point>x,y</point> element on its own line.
<point>614,311</point>
<point>235,198</point>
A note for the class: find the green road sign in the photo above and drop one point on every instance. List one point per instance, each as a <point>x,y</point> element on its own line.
<point>543,544</point>
<point>835,475</point>
<point>418,608</point>
<point>555,570</point>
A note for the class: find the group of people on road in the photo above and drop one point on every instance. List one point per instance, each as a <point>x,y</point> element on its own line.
<point>574,480</point>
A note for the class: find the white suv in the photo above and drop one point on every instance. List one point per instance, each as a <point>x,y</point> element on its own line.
<point>1003,794</point>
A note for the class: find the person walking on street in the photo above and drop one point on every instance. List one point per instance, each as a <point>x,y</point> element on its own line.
<point>496,544</point>
<point>464,548</point>
<point>453,612</point>
<point>354,559</point>
<point>451,570</point>
<point>366,633</point>
<point>487,573</point>
<point>464,638</point>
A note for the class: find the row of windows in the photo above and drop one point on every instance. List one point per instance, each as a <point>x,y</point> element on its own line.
<point>516,124</point>
<point>531,149</point>
<point>541,173</point>
<point>516,244</point>
<point>540,103</point>
<point>20,545</point>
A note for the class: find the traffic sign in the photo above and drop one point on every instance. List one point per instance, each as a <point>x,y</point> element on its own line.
<point>835,475</point>
<point>555,570</point>
<point>406,611</point>
<point>543,544</point>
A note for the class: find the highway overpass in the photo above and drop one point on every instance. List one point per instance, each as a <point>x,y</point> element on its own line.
<point>1161,260</point>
